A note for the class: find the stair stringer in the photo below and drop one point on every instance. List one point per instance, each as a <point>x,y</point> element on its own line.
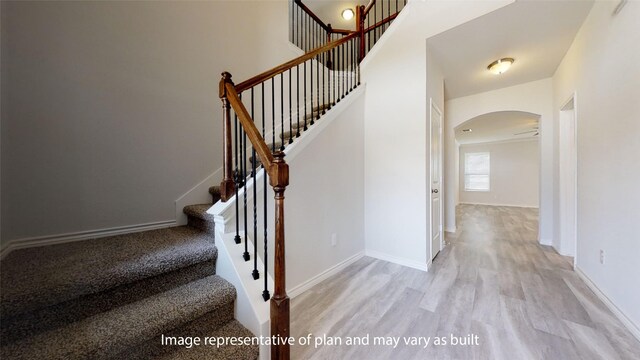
<point>250,309</point>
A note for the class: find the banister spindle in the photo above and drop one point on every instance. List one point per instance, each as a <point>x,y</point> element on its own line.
<point>304,77</point>
<point>317,87</point>
<point>243,159</point>
<point>236,178</point>
<point>298,99</point>
<point>311,91</point>
<point>273,115</point>
<point>290,118</point>
<point>335,74</point>
<point>324,83</point>
<point>255,274</point>
<point>282,112</point>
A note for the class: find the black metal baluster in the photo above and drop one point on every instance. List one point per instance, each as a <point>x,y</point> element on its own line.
<point>375,18</point>
<point>298,99</point>
<point>311,90</point>
<point>290,118</point>
<point>341,60</point>
<point>243,150</point>
<point>324,82</point>
<point>236,180</point>
<point>254,163</point>
<point>358,63</point>
<point>282,112</point>
<point>368,34</point>
<point>273,115</point>
<point>345,88</point>
<point>317,89</point>
<point>265,293</point>
<point>299,26</point>
<point>350,62</point>
<point>338,73</point>
<point>381,27</point>
<point>335,74</point>
<point>351,79</point>
<point>305,96</point>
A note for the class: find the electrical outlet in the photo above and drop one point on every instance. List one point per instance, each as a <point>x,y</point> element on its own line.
<point>602,257</point>
<point>334,239</point>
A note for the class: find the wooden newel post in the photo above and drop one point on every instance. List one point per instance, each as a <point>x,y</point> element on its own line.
<point>227,187</point>
<point>279,179</point>
<point>360,30</point>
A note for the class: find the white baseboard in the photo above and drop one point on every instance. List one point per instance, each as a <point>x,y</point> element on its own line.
<point>82,235</point>
<point>544,241</point>
<point>324,275</point>
<point>633,328</point>
<point>492,204</point>
<point>396,260</point>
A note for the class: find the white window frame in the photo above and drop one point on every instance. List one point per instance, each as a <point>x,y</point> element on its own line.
<point>488,174</point>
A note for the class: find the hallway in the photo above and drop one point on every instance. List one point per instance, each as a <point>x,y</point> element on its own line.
<point>493,280</point>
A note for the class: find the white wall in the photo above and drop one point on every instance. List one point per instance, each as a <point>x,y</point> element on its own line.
<point>111,110</point>
<point>535,97</point>
<point>601,67</point>
<point>326,197</point>
<point>514,174</point>
<point>396,128</point>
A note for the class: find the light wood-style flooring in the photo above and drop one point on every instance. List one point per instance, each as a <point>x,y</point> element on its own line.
<point>493,280</point>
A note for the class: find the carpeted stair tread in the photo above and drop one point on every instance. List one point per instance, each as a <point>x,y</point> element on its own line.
<point>201,328</point>
<point>102,335</point>
<point>17,327</point>
<point>43,276</point>
<point>199,211</point>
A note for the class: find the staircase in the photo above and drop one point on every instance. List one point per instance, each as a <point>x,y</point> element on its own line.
<point>113,298</point>
<point>123,296</point>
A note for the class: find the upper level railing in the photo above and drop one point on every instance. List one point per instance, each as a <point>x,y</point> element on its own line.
<point>263,114</point>
<point>307,31</point>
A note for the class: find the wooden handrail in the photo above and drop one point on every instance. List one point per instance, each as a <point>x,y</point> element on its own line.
<point>381,22</point>
<point>370,5</point>
<point>342,31</point>
<point>263,151</point>
<point>248,84</point>
<point>312,14</point>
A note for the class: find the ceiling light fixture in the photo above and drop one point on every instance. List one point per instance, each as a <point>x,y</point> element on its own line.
<point>500,66</point>
<point>467,130</point>
<point>347,14</point>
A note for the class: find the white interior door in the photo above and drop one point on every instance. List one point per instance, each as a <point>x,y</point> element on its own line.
<point>568,175</point>
<point>436,180</point>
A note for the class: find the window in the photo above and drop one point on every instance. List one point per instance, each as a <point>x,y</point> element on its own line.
<point>476,171</point>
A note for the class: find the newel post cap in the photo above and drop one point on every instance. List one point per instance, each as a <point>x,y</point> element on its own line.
<point>279,172</point>
<point>226,79</point>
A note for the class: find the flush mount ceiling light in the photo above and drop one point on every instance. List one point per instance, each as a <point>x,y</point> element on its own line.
<point>467,130</point>
<point>347,14</point>
<point>500,66</point>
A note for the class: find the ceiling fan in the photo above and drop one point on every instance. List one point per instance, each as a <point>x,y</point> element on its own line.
<point>533,130</point>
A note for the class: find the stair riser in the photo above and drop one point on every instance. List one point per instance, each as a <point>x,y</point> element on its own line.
<point>153,348</point>
<point>203,225</point>
<point>17,327</point>
<point>129,326</point>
